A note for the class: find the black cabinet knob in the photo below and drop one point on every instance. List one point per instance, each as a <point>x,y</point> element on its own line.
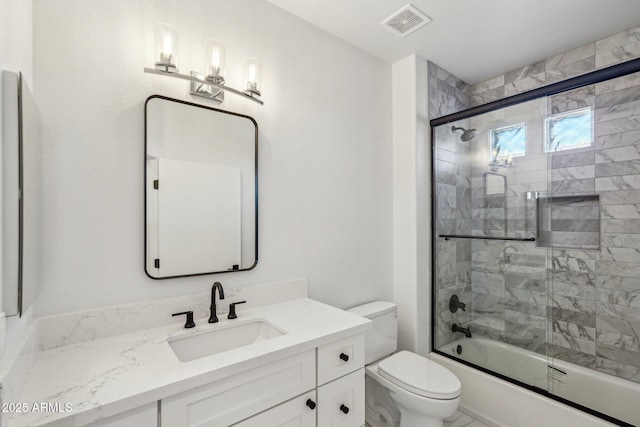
<point>311,404</point>
<point>344,357</point>
<point>344,408</point>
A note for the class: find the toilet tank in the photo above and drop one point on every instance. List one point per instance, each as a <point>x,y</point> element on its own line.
<point>382,339</point>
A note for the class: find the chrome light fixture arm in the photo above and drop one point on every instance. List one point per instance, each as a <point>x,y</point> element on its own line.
<point>199,86</point>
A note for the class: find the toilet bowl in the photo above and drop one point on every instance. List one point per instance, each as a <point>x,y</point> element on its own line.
<point>424,392</point>
<point>402,387</point>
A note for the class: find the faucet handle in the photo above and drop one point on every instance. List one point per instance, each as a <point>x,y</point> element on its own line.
<point>232,309</point>
<point>455,304</point>
<point>190,323</point>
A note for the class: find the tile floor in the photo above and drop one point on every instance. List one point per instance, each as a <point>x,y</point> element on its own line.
<point>460,419</point>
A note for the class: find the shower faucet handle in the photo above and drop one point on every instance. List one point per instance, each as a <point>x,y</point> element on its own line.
<point>455,304</point>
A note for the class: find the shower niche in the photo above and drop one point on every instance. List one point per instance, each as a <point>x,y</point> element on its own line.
<point>568,222</point>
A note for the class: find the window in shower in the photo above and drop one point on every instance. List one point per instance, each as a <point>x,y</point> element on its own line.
<point>569,130</point>
<point>507,142</point>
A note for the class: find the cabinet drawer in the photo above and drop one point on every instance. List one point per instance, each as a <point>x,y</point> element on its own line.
<point>341,402</point>
<point>294,413</point>
<point>340,358</point>
<point>237,397</point>
<point>144,416</point>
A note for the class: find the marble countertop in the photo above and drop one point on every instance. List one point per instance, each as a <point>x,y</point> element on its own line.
<point>104,377</point>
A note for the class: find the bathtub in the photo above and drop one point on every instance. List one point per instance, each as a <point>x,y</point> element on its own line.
<point>501,403</point>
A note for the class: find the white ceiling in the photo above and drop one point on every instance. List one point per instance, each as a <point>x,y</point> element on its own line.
<point>473,39</point>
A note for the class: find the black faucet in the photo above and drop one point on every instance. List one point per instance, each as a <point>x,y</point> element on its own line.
<point>465,331</point>
<point>213,318</point>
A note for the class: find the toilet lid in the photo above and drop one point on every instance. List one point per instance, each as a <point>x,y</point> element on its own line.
<point>420,375</point>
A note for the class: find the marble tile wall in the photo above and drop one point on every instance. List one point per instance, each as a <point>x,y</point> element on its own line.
<point>603,53</point>
<point>449,94</point>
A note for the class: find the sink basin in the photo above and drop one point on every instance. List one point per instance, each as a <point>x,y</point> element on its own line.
<point>227,337</point>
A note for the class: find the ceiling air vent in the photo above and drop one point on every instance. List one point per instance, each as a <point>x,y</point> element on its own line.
<point>406,21</point>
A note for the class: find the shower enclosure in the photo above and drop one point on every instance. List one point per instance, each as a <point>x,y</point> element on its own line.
<point>536,240</point>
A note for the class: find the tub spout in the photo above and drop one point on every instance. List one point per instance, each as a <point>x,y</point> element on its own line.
<point>465,331</point>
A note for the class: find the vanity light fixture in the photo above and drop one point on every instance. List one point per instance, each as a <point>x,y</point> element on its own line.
<point>211,84</point>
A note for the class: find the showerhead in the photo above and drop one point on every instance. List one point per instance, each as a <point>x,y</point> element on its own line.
<point>467,134</point>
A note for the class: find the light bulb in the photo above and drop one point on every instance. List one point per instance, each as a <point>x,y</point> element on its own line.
<point>215,59</point>
<point>166,45</point>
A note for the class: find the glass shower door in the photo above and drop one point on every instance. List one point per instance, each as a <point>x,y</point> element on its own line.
<point>593,140</point>
<point>489,171</point>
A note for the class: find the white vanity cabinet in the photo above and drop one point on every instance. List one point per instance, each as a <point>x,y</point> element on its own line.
<point>321,387</point>
<point>310,375</point>
<point>232,399</point>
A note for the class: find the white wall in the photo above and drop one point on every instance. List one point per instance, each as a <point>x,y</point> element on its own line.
<point>411,193</point>
<point>325,148</point>
<point>16,52</point>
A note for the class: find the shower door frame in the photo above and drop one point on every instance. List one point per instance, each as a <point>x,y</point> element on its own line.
<point>593,77</point>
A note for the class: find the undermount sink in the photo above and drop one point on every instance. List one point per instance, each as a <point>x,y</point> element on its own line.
<point>227,337</point>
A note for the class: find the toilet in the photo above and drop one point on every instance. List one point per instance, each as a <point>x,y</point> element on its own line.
<point>402,387</point>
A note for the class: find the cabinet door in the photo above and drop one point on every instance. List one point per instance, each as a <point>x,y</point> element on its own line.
<point>341,402</point>
<point>297,412</point>
<point>232,399</point>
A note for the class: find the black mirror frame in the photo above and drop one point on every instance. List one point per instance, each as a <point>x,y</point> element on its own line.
<point>144,182</point>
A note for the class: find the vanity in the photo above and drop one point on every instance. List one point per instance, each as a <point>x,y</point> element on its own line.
<point>285,360</point>
<point>296,363</point>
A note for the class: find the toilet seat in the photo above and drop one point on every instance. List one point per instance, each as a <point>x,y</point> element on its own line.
<point>420,375</point>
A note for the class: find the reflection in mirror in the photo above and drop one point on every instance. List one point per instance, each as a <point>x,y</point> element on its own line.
<point>495,185</point>
<point>200,189</point>
<point>22,195</point>
<point>10,192</point>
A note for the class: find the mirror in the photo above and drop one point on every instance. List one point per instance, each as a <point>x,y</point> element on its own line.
<point>21,195</point>
<point>201,189</point>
